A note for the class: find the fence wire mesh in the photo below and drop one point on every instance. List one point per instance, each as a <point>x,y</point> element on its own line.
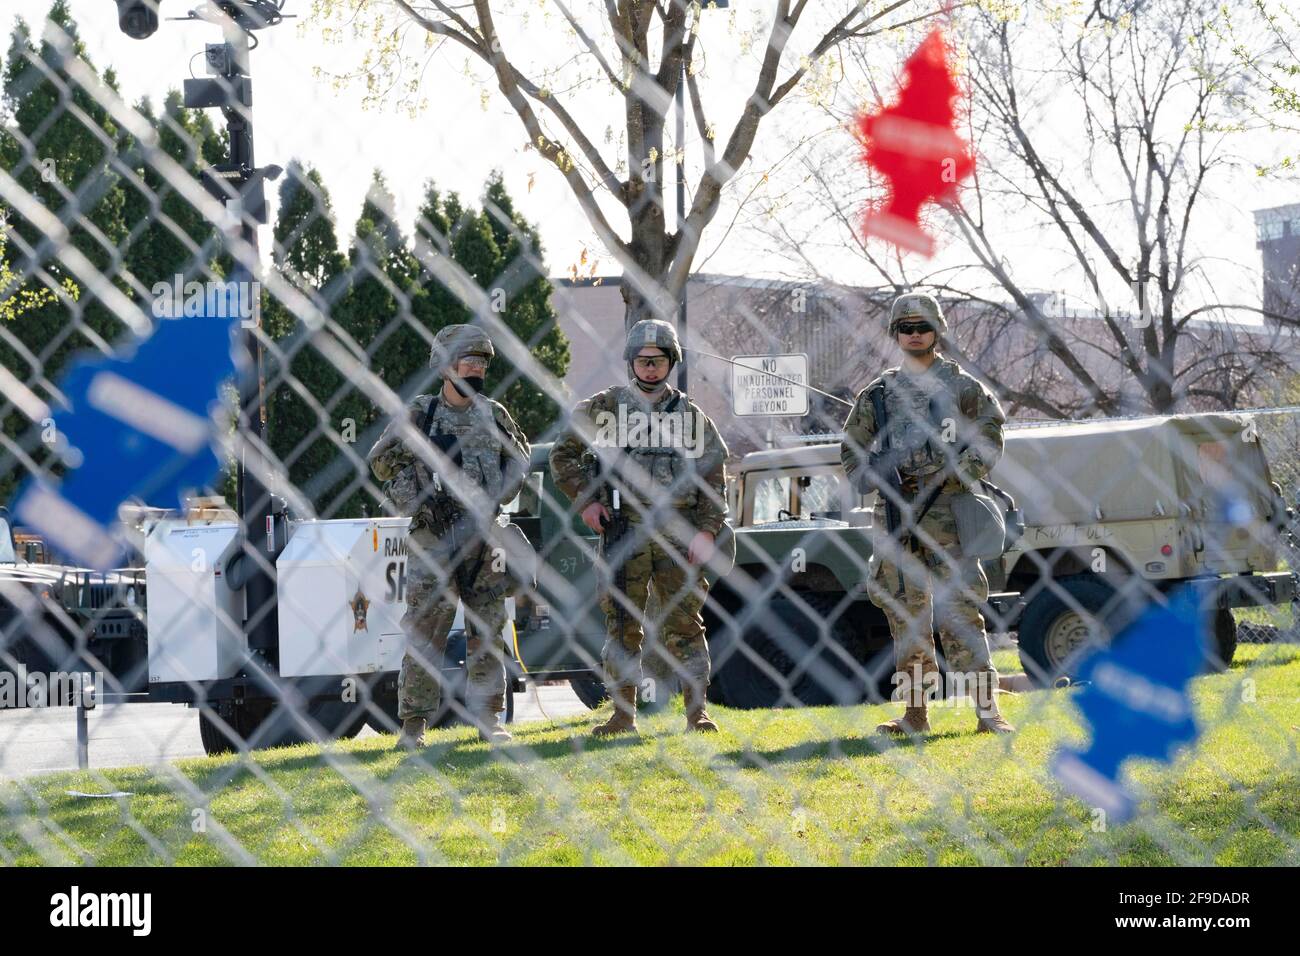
<point>502,615</point>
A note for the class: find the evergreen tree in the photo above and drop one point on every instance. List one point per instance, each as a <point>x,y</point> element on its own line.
<point>131,223</point>
<point>55,150</point>
<point>528,313</point>
<point>502,257</point>
<point>168,235</point>
<point>306,254</point>
<point>373,311</point>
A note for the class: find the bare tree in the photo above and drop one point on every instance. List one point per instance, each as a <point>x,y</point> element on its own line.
<point>1153,95</point>
<point>635,49</point>
<point>1265,37</point>
<point>1155,89</point>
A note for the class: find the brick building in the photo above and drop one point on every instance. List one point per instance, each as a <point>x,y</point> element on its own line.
<point>842,331</point>
<point>1277,236</point>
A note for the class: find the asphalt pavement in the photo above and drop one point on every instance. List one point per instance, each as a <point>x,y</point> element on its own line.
<point>38,740</point>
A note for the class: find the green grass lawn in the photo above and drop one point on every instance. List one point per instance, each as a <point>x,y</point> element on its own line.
<point>785,786</point>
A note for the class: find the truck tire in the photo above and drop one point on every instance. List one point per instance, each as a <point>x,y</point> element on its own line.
<point>265,724</point>
<point>216,739</point>
<point>386,721</point>
<point>336,719</point>
<point>797,654</point>
<point>1225,642</point>
<point>1051,631</point>
<point>590,690</point>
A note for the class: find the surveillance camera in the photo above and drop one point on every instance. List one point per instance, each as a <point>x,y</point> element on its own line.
<point>138,19</point>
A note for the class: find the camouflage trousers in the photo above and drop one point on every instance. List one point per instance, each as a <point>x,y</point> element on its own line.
<point>432,592</point>
<point>679,592</point>
<point>940,588</point>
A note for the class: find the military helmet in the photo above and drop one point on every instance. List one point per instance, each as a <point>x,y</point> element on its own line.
<point>455,342</point>
<point>654,332</point>
<point>917,305</point>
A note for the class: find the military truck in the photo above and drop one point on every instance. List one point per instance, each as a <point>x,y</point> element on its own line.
<point>560,629</point>
<point>1115,511</point>
<point>68,619</point>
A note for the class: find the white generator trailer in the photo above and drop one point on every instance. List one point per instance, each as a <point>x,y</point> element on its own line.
<point>340,597</point>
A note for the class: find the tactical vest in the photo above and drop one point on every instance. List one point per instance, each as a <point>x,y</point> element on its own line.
<point>477,451</point>
<point>919,409</point>
<point>671,472</point>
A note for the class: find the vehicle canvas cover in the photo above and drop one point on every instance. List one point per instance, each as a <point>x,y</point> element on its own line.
<point>1124,470</point>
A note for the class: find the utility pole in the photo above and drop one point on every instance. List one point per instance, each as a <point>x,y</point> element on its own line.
<point>240,184</point>
<point>681,199</point>
<point>253,499</point>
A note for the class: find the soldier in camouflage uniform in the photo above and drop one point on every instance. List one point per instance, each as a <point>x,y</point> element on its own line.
<point>484,459</point>
<point>945,429</point>
<point>673,494</point>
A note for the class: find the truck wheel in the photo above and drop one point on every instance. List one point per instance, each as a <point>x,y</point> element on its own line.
<point>590,690</point>
<point>738,681</point>
<point>263,724</point>
<point>336,719</point>
<point>800,653</point>
<point>215,741</point>
<point>240,721</point>
<point>1052,631</point>
<point>275,727</point>
<point>1225,642</point>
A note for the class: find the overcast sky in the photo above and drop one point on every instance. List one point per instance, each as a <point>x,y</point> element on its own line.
<point>461,136</point>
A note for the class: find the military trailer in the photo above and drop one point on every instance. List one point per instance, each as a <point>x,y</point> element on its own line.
<point>339,601</point>
<point>1115,511</point>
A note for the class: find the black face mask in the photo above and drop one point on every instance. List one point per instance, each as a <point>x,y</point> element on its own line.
<point>467,386</point>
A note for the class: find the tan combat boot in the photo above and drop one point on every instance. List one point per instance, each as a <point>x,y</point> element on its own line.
<point>991,720</point>
<point>994,723</point>
<point>697,718</point>
<point>488,721</point>
<point>624,719</point>
<point>412,736</point>
<point>914,722</point>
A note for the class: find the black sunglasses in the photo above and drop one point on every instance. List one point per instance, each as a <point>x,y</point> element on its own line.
<point>915,328</point>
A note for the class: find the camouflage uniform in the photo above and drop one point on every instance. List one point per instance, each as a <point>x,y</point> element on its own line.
<point>494,461</point>
<point>667,498</point>
<point>930,416</point>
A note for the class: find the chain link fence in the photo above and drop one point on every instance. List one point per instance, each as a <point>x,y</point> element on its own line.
<point>274,599</point>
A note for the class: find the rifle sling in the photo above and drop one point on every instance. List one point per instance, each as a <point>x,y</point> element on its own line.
<point>884,446</point>
<point>425,422</point>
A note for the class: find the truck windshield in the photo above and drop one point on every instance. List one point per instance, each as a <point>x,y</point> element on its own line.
<point>771,496</point>
<point>819,493</point>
